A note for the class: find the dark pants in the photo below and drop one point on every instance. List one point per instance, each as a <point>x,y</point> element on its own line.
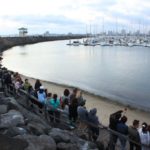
<point>73,115</point>
<point>123,143</point>
<point>51,115</point>
<point>54,116</point>
<point>57,116</point>
<point>134,146</point>
<point>113,141</point>
<point>94,132</point>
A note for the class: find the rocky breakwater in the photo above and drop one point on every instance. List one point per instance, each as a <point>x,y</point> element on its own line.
<point>8,42</point>
<point>22,129</point>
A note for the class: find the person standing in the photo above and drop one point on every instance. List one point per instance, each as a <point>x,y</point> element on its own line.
<point>54,113</point>
<point>65,97</point>
<point>93,123</point>
<point>82,112</point>
<point>134,136</point>
<point>41,95</point>
<point>113,121</point>
<point>73,95</point>
<point>26,85</point>
<point>37,85</point>
<point>123,129</point>
<point>73,115</point>
<point>144,136</point>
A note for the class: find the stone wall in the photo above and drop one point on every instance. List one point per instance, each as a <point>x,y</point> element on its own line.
<point>8,42</point>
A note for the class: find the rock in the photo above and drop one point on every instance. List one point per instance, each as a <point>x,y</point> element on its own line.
<point>4,100</point>
<point>33,131</point>
<point>103,139</point>
<point>10,119</point>
<point>84,145</point>
<point>71,146</point>
<point>42,142</point>
<point>13,104</point>
<point>29,116</point>
<point>82,134</point>
<point>3,109</point>
<point>91,145</point>
<point>63,136</point>
<point>14,131</point>
<point>67,146</point>
<point>8,143</point>
<point>37,128</point>
<point>1,93</point>
<point>60,135</point>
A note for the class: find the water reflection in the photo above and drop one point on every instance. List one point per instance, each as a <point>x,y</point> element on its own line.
<point>117,72</point>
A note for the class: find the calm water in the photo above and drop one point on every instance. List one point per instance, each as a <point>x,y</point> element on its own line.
<point>120,73</point>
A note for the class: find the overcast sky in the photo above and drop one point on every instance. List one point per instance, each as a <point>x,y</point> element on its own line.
<point>76,16</point>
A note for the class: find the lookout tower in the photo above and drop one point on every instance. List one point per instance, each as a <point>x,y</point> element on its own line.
<point>23,32</point>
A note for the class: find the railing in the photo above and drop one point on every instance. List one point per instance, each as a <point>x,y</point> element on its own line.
<point>39,108</point>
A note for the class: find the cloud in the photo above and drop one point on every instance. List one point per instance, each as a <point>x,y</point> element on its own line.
<point>41,20</point>
<point>55,23</point>
<point>74,15</point>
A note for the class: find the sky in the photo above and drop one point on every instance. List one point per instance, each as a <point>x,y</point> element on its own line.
<point>75,16</point>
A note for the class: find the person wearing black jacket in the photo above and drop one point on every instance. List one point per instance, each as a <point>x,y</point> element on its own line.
<point>114,119</point>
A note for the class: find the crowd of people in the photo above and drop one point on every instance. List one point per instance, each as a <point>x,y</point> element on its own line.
<point>139,136</point>
<point>73,105</point>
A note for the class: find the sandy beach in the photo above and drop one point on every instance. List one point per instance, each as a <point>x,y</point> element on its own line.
<point>104,106</point>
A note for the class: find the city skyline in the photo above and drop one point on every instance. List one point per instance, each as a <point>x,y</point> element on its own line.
<point>75,16</point>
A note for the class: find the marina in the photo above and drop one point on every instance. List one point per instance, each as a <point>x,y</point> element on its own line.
<point>113,41</point>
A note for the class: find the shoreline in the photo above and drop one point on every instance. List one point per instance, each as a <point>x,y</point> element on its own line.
<point>105,106</point>
<point>110,100</point>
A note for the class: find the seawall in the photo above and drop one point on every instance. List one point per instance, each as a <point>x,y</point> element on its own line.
<point>8,42</point>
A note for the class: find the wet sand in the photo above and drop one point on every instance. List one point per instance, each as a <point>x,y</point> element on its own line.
<point>104,106</point>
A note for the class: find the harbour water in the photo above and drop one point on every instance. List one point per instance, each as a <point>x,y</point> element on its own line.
<point>118,73</point>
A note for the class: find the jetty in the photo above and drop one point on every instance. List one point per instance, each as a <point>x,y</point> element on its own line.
<point>8,42</point>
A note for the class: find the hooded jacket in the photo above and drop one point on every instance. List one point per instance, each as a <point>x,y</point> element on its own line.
<point>92,117</point>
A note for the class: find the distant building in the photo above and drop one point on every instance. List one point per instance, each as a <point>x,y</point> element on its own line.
<point>110,33</point>
<point>70,34</point>
<point>123,32</point>
<point>23,32</point>
<point>46,33</point>
<point>137,32</point>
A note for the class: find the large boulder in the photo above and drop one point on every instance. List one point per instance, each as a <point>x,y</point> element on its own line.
<point>29,116</point>
<point>4,100</point>
<point>37,128</point>
<point>8,143</point>
<point>42,142</point>
<point>63,136</point>
<point>60,135</point>
<point>14,131</point>
<point>13,104</point>
<point>12,118</point>
<point>3,109</point>
<point>73,146</point>
<point>67,146</point>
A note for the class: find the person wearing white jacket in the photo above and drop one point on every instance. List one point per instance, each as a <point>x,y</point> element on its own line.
<point>144,136</point>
